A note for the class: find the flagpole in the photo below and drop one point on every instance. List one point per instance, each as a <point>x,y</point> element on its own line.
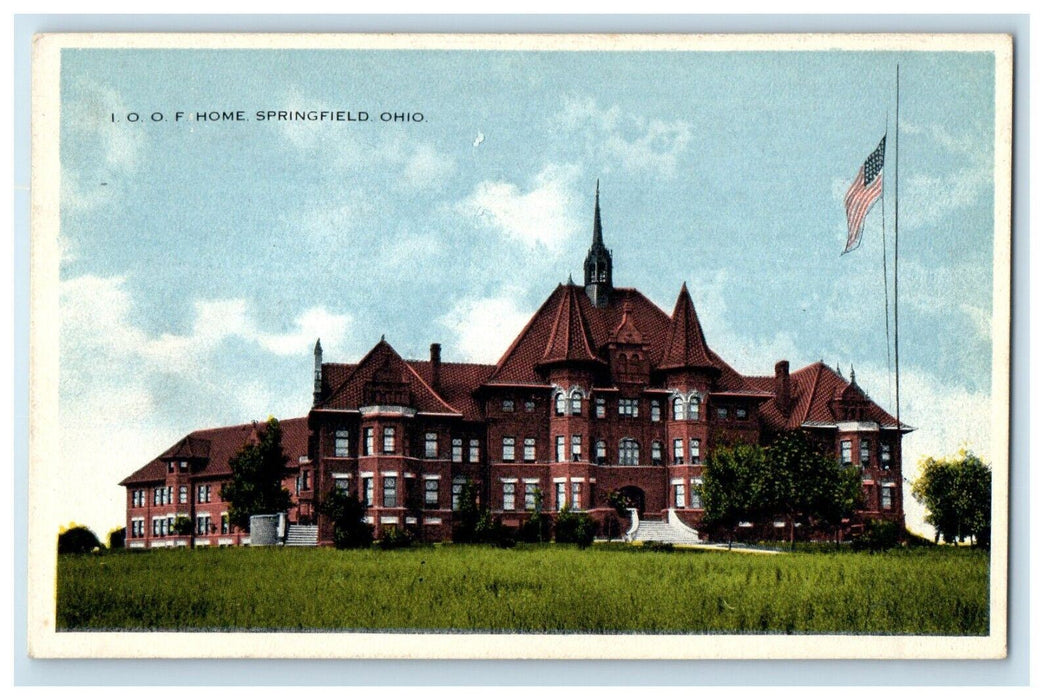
<point>897,366</point>
<point>886,293</point>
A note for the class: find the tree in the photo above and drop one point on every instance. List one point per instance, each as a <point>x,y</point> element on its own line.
<point>257,472</point>
<point>349,529</point>
<point>729,487</point>
<point>468,515</point>
<point>77,539</point>
<point>958,497</point>
<point>799,480</point>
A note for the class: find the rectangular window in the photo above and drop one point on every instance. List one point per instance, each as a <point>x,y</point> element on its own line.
<point>475,451</point>
<point>157,527</point>
<point>629,452</point>
<point>457,449</point>
<point>576,447</point>
<point>306,480</point>
<point>367,444</point>
<point>600,451</point>
<point>509,496</point>
<point>171,467</point>
<point>183,466</point>
<point>366,489</point>
<point>204,493</point>
<point>695,451</point>
<point>864,452</point>
<point>341,486</point>
<point>741,413</point>
<point>430,493</point>
<point>695,493</point>
<point>560,495</point>
<point>677,451</point>
<point>529,450</point>
<point>509,449</point>
<point>722,413</point>
<point>578,489</point>
<point>204,524</point>
<point>655,411</point>
<point>169,492</point>
<point>560,448</point>
<point>531,491</point>
<point>886,497</point>
<point>168,526</point>
<point>884,455</point>
<point>628,408</point>
<point>390,491</point>
<point>388,441</point>
<point>184,494</point>
<point>430,445</point>
<point>342,447</point>
<point>458,484</point>
<point>224,520</point>
<point>655,452</point>
<point>507,405</point>
<point>846,455</point>
<point>680,495</point>
<point>600,407</point>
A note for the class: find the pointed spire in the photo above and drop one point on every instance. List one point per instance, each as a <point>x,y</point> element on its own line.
<point>570,282</point>
<point>852,373</point>
<point>317,347</point>
<point>686,345</point>
<point>596,236</point>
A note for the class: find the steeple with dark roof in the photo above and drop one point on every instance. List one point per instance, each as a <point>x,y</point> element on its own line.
<point>598,266</point>
<point>686,345</point>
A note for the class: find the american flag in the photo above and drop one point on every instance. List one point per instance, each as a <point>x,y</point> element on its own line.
<point>866,189</point>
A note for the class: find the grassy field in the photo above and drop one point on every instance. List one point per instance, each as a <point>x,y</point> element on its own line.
<point>604,589</point>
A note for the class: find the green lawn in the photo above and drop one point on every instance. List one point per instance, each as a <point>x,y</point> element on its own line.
<point>604,589</point>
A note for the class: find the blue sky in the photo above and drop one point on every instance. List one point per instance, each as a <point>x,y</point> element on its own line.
<point>195,280</point>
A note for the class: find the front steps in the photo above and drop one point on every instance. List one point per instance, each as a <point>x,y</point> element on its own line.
<point>301,536</point>
<point>671,531</point>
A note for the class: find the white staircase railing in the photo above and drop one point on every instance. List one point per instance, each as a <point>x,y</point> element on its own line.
<point>633,530</point>
<point>680,526</point>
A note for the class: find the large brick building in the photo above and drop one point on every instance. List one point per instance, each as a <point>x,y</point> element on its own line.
<point>602,391</point>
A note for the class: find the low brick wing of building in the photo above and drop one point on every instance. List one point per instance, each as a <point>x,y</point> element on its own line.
<point>601,392</point>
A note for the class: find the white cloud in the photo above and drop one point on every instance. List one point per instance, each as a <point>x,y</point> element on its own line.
<point>486,327</point>
<point>311,324</point>
<point>546,215</point>
<point>630,141</point>
<point>925,198</point>
<point>425,168</point>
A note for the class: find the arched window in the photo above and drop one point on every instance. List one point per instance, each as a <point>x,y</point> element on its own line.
<point>677,408</point>
<point>629,452</point>
<point>560,404</point>
<point>655,453</point>
<point>600,451</point>
<point>575,403</point>
<point>695,408</point>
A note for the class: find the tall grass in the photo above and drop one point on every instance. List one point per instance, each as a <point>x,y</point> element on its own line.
<point>604,589</point>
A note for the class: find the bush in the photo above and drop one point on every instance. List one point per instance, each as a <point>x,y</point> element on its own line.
<point>650,546</point>
<point>78,540</point>
<point>395,538</point>
<point>182,526</point>
<point>578,528</point>
<point>349,529</point>
<point>879,536</point>
<point>116,538</point>
<point>536,529</point>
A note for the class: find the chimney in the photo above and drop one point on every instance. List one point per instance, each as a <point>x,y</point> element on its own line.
<point>436,367</point>
<point>782,387</point>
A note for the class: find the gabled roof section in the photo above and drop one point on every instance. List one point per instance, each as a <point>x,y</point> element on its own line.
<point>218,445</point>
<point>813,389</point>
<point>382,364</point>
<point>686,346</point>
<point>459,381</point>
<point>568,341</point>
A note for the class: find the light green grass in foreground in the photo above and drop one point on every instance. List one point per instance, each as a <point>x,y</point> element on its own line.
<point>604,589</point>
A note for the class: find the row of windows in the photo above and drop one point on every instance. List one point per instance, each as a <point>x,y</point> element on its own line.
<point>628,450</point>
<point>341,447</point>
<point>846,453</point>
<point>682,409</point>
<point>164,495</point>
<point>165,526</point>
<point>180,465</point>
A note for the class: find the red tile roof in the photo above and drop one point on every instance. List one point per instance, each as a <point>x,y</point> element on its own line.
<point>458,383</point>
<point>218,445</point>
<point>686,346</point>
<point>568,341</point>
<point>813,389</point>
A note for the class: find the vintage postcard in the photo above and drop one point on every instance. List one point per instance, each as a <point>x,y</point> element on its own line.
<point>513,346</point>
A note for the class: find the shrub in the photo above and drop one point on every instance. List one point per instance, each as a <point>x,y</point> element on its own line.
<point>395,538</point>
<point>537,528</point>
<point>879,536</point>
<point>349,529</point>
<point>578,528</point>
<point>182,526</point>
<point>116,538</point>
<point>658,546</point>
<point>78,540</point>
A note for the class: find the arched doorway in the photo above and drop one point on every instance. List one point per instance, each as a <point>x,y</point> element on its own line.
<point>635,498</point>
